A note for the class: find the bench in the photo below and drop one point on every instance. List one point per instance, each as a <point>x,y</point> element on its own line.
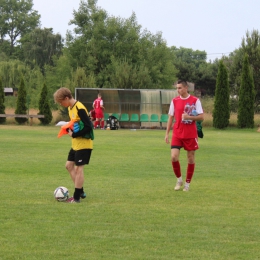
<point>23,116</point>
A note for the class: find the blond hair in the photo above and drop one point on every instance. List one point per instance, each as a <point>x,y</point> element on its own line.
<point>61,94</point>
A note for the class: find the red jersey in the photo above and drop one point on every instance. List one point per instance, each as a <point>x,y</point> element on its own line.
<point>98,109</point>
<point>92,114</point>
<point>187,128</point>
<point>98,103</point>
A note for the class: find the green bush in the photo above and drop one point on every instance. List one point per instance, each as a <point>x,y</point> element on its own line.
<point>21,103</point>
<point>44,106</point>
<point>2,100</point>
<point>245,118</point>
<point>221,112</point>
<point>10,101</point>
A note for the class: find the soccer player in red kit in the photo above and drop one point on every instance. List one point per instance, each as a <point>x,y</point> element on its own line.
<point>185,109</point>
<point>92,115</point>
<point>99,107</point>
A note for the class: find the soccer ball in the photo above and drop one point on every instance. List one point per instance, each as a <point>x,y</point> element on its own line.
<point>61,194</point>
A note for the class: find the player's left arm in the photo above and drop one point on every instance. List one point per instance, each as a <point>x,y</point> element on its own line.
<point>198,115</point>
<point>199,110</point>
<point>86,121</point>
<point>102,104</point>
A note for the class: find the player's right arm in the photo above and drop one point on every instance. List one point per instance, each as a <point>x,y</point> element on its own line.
<point>168,128</point>
<point>169,123</point>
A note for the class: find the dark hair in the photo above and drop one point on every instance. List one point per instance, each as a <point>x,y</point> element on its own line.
<point>183,82</point>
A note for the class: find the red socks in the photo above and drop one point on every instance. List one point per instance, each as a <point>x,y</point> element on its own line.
<point>101,123</point>
<point>96,124</point>
<point>190,171</point>
<point>177,169</point>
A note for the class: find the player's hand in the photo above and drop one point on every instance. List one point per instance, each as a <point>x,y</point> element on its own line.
<point>166,139</point>
<point>185,116</point>
<point>76,127</point>
<point>70,132</point>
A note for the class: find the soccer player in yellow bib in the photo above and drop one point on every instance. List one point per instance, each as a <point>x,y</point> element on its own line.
<point>81,147</point>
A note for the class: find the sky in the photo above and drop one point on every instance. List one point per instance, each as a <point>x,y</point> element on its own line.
<point>216,27</point>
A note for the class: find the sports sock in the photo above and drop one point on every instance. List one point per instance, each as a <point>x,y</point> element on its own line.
<point>177,169</point>
<point>190,171</point>
<point>77,193</point>
<point>102,124</point>
<point>187,184</point>
<point>96,124</point>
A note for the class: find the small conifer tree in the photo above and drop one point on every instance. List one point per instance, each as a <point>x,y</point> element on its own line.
<point>245,117</point>
<point>221,111</point>
<point>44,106</point>
<point>2,100</point>
<point>21,103</point>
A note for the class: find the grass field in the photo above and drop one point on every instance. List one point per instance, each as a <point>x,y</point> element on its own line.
<point>132,210</point>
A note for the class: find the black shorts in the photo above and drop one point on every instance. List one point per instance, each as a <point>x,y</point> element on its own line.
<point>80,157</point>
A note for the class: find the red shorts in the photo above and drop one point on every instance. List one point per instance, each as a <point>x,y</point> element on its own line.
<point>189,144</point>
<point>99,113</point>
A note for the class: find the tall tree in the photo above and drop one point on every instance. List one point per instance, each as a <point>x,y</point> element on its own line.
<point>63,69</point>
<point>21,103</point>
<point>156,57</point>
<point>192,65</point>
<point>188,61</point>
<point>16,19</point>
<point>251,46</point>
<point>11,72</point>
<point>40,45</point>
<point>221,112</point>
<point>128,76</point>
<point>245,118</point>
<point>44,106</point>
<point>206,78</point>
<point>101,38</point>
<point>2,100</point>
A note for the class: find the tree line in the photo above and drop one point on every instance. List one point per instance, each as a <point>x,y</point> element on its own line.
<point>105,51</point>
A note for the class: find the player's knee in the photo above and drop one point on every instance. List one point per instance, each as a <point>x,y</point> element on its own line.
<point>191,160</point>
<point>68,167</point>
<point>174,157</point>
